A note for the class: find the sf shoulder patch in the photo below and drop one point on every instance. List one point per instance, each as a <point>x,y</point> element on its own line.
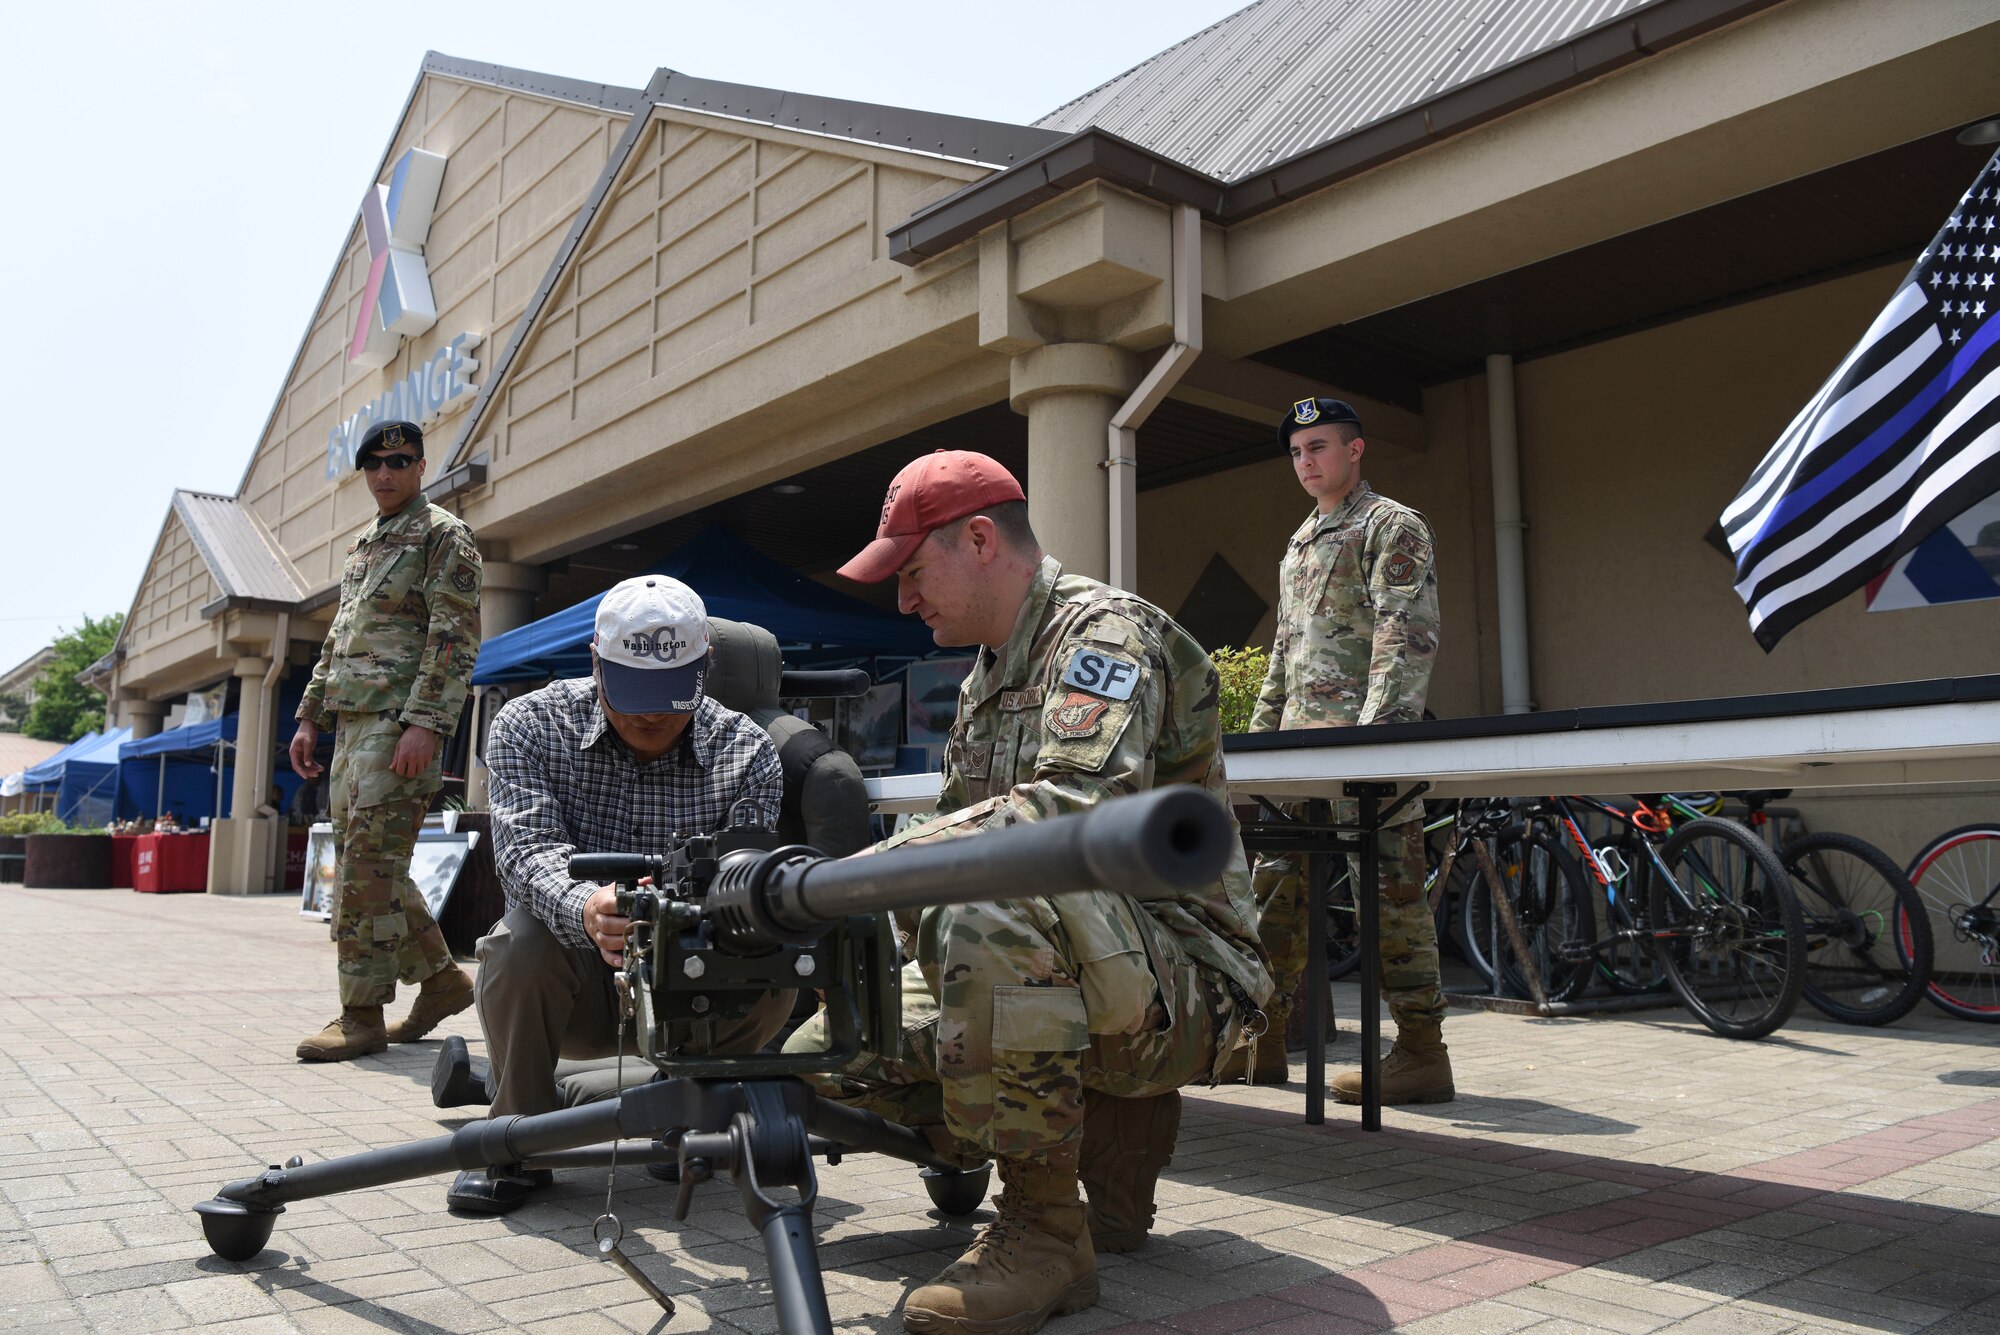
<point>1076,715</point>
<point>1101,674</point>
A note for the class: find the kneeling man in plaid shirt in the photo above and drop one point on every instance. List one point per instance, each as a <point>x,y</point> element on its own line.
<point>620,761</point>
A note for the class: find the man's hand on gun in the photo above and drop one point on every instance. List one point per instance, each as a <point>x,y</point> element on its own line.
<point>605,926</point>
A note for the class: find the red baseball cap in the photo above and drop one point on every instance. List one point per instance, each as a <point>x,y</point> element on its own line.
<point>929,493</point>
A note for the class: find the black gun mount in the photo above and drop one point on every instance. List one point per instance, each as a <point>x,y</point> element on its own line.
<point>729,917</point>
<point>725,919</point>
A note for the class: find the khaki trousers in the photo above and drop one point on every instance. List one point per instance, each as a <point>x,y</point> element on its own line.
<point>540,1000</point>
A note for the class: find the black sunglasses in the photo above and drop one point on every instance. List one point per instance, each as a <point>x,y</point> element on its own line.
<point>396,461</point>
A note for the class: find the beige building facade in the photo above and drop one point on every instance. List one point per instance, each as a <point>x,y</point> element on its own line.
<point>699,303</point>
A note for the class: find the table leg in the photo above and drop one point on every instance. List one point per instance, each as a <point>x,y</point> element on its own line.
<point>1319,868</point>
<point>1368,928</point>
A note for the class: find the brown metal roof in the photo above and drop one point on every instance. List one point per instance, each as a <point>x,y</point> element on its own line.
<point>1279,77</point>
<point>1322,152</point>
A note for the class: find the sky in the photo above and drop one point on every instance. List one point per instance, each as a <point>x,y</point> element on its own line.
<point>185,176</point>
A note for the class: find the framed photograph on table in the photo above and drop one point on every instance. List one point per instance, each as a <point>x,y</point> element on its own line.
<point>870,727</point>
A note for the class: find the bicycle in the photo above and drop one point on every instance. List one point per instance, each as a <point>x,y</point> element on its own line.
<point>1957,879</point>
<point>1705,898</point>
<point>1545,894</point>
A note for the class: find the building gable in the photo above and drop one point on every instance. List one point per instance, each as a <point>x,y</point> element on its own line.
<point>520,158</point>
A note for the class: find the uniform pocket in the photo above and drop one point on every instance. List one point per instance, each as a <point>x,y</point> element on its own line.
<point>1039,1019</point>
<point>389,583</point>
<point>1108,946</point>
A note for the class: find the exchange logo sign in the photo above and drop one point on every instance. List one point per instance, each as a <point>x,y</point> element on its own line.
<point>396,304</point>
<point>396,301</point>
<point>441,381</point>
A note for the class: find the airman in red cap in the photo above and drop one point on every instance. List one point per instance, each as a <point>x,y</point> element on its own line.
<point>1064,1027</point>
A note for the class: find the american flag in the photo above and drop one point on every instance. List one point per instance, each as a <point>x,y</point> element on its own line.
<point>1900,439</point>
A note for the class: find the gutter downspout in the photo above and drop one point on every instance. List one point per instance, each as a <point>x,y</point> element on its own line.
<point>267,726</point>
<point>1510,567</point>
<point>1122,460</point>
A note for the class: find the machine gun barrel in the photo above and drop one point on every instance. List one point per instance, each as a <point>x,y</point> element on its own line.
<point>1147,846</point>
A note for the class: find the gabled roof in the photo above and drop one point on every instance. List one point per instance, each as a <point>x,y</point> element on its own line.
<point>933,134</point>
<point>239,551</point>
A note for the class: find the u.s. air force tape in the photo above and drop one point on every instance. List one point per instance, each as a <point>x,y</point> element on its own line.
<point>1101,674</point>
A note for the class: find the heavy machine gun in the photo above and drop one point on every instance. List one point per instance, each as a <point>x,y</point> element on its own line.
<point>717,922</point>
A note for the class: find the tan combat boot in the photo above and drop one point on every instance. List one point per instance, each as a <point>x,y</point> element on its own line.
<point>444,994</point>
<point>1417,1069</point>
<point>1031,1263</point>
<point>357,1033</point>
<point>1273,1066</point>
<point>1126,1144</point>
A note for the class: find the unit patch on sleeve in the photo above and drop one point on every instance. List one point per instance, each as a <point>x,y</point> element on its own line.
<point>1078,715</point>
<point>1101,674</point>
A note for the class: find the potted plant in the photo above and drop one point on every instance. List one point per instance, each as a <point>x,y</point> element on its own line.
<point>67,859</point>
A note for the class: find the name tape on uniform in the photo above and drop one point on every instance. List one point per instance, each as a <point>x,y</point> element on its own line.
<point>1101,674</point>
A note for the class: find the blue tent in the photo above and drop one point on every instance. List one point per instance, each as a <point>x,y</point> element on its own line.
<point>737,583</point>
<point>84,778</point>
<point>176,771</point>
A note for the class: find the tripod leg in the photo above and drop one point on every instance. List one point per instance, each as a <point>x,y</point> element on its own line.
<point>797,1288</point>
<point>238,1222</point>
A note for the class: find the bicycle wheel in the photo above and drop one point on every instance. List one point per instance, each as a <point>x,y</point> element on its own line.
<point>1957,877</point>
<point>1732,938</point>
<point>1868,941</point>
<point>1343,925</point>
<point>1551,907</point>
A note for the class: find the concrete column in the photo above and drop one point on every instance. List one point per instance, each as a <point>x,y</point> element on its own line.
<point>142,716</point>
<point>239,846</point>
<point>1068,392</point>
<point>507,593</point>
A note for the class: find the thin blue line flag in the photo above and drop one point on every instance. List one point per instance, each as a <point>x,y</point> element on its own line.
<point>1902,438</point>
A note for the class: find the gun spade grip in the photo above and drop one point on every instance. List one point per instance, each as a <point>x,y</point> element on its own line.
<point>611,866</point>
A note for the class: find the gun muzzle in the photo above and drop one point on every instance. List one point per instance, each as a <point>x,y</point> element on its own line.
<point>1148,846</point>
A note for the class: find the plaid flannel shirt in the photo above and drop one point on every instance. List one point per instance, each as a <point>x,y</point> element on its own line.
<point>563,782</point>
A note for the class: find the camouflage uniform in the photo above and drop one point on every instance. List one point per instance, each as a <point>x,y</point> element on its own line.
<point>400,652</point>
<point>1357,634</point>
<point>1012,1008</point>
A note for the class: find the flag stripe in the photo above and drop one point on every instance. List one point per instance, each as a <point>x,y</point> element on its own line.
<point>1978,476</point>
<point>1884,437</point>
<point>1843,526</point>
<point>1859,366</point>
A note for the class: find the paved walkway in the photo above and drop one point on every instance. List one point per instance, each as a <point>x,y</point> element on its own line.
<point>1622,1174</point>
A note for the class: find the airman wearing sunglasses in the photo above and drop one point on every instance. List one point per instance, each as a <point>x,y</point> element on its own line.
<point>391,683</point>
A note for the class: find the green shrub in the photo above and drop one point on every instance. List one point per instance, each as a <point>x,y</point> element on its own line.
<point>1242,673</point>
<point>31,822</point>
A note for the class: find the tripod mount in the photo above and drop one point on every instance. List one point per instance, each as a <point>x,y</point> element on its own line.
<point>718,922</point>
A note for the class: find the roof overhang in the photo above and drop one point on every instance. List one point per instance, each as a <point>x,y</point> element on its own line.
<point>1096,155</point>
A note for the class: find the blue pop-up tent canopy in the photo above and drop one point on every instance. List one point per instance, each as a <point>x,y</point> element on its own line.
<point>177,770</point>
<point>737,583</point>
<point>83,776</point>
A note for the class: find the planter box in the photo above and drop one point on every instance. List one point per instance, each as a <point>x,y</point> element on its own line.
<point>69,861</point>
<point>13,849</point>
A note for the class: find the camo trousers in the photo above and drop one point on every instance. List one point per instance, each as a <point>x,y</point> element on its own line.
<point>1001,1025</point>
<point>382,930</point>
<point>1408,935</point>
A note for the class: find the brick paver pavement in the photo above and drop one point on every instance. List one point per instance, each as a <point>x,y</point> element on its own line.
<point>1627,1173</point>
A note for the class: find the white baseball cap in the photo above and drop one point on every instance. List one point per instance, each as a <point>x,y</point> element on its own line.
<point>652,646</point>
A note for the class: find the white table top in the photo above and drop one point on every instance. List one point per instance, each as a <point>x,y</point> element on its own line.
<point>1867,736</point>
